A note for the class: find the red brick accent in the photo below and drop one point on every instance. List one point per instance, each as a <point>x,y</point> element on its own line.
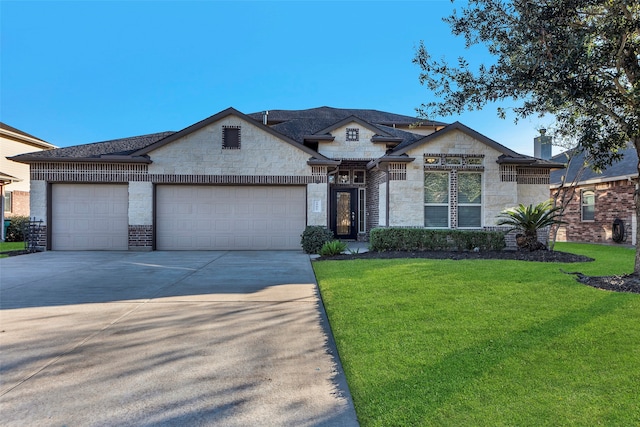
<point>141,237</point>
<point>613,200</point>
<point>19,204</point>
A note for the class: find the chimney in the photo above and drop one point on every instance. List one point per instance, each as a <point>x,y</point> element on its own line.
<point>542,145</point>
<point>265,115</point>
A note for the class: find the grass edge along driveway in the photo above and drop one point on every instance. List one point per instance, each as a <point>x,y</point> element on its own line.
<point>486,342</point>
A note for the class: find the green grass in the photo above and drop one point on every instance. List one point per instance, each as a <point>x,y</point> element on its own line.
<point>486,342</point>
<point>11,246</point>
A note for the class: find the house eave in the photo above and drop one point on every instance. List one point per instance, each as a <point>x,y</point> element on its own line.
<point>101,159</point>
<point>323,162</point>
<point>389,159</point>
<point>593,181</point>
<point>318,138</point>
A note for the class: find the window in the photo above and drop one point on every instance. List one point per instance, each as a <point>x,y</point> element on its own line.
<point>436,199</point>
<point>8,202</point>
<point>344,177</point>
<point>231,137</point>
<point>469,200</point>
<point>431,160</point>
<point>362,212</point>
<point>353,134</point>
<point>588,205</point>
<point>358,177</point>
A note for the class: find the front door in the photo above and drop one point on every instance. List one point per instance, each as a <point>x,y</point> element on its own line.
<point>344,213</point>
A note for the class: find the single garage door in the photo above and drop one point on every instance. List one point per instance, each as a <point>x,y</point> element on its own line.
<point>89,217</point>
<point>190,217</point>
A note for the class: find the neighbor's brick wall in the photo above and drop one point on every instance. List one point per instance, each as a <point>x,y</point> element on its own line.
<point>613,200</point>
<point>19,204</point>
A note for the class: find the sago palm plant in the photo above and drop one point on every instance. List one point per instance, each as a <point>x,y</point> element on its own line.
<point>530,219</point>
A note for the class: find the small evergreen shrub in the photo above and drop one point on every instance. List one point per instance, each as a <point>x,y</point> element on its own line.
<point>335,247</point>
<point>17,228</point>
<point>422,239</point>
<point>314,237</point>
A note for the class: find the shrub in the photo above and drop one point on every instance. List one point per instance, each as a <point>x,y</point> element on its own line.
<point>422,239</point>
<point>17,229</point>
<point>335,247</point>
<point>530,219</point>
<point>314,237</point>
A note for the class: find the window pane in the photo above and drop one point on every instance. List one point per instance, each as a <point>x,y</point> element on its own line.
<point>436,187</point>
<point>436,216</point>
<point>589,213</point>
<point>469,188</point>
<point>469,216</point>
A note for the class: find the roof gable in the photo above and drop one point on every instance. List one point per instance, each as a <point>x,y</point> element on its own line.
<point>508,156</point>
<point>219,116</point>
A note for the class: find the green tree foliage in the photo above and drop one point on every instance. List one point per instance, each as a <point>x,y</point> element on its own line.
<point>576,59</point>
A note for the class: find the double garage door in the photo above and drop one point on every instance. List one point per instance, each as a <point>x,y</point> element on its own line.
<point>95,217</point>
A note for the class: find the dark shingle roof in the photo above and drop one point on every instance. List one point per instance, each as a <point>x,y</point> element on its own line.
<point>625,167</point>
<point>333,115</point>
<point>117,147</point>
<point>296,124</point>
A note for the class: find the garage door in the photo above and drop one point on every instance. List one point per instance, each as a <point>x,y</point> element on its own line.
<point>89,217</point>
<point>229,217</point>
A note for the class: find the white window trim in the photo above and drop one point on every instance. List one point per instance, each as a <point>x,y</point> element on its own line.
<point>583,205</point>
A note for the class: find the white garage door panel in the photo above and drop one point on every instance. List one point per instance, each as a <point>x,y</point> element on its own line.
<point>229,217</point>
<point>89,217</point>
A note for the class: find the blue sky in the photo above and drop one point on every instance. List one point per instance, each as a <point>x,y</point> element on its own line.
<point>74,72</point>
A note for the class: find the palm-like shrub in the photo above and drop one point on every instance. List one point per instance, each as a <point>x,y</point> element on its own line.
<point>530,219</point>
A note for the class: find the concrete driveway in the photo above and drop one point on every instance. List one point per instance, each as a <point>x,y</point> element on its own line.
<point>166,338</point>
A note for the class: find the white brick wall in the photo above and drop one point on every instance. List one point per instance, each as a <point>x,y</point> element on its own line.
<point>317,198</point>
<point>343,149</point>
<point>38,201</point>
<point>496,195</point>
<point>140,203</point>
<point>201,153</point>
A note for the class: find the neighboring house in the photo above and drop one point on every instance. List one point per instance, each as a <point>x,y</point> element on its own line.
<point>238,181</point>
<point>598,199</point>
<point>16,193</point>
<point>14,177</point>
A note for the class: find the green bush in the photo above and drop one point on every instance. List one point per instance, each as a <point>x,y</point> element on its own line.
<point>335,247</point>
<point>17,228</point>
<point>314,237</point>
<point>422,239</point>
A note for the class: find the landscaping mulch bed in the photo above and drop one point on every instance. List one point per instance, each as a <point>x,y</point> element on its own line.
<point>624,283</point>
<point>540,256</point>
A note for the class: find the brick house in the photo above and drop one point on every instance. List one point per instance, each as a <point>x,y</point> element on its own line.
<point>598,200</point>
<point>254,181</point>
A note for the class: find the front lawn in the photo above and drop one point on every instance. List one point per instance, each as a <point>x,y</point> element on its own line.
<point>486,342</point>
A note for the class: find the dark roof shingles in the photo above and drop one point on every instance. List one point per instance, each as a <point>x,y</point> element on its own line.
<point>123,147</point>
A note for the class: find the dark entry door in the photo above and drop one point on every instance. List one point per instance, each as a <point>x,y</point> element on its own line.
<point>344,213</point>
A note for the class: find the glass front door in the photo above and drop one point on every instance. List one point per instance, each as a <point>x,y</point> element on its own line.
<point>343,213</point>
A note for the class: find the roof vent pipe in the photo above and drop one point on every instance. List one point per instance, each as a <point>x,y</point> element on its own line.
<point>265,114</point>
